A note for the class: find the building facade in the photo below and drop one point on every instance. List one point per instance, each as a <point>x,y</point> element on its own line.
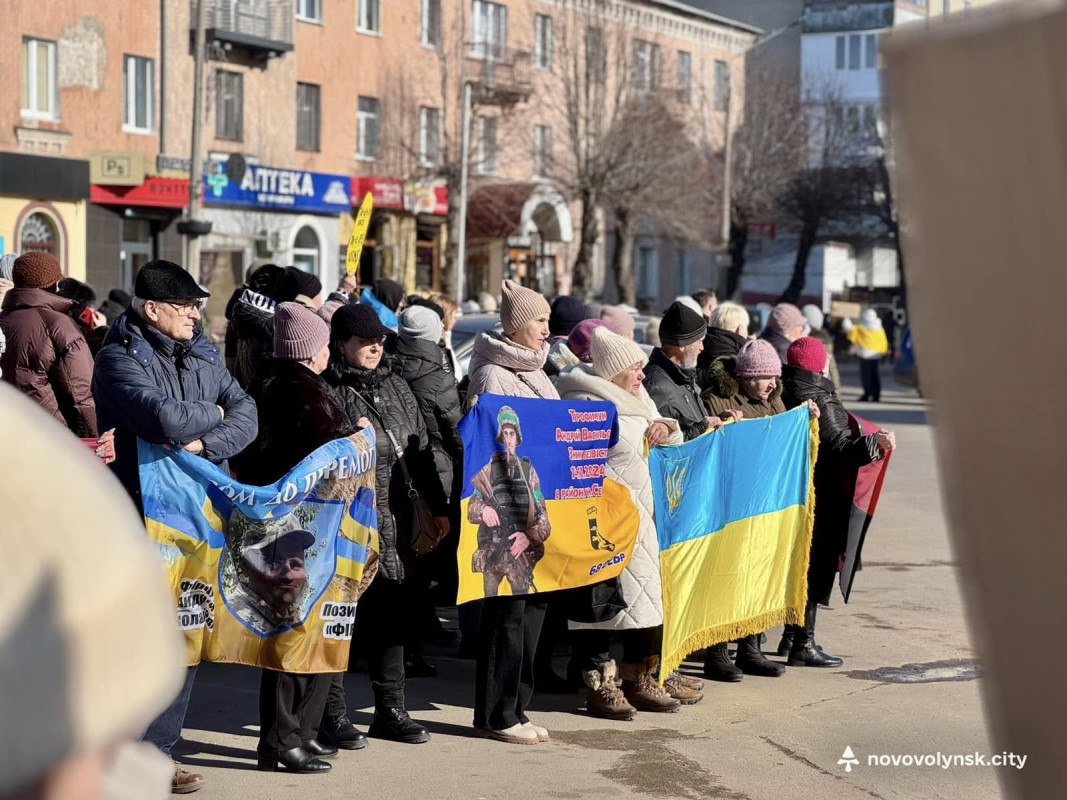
<point>308,105</point>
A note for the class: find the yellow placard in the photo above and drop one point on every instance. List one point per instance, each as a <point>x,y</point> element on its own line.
<point>359,233</point>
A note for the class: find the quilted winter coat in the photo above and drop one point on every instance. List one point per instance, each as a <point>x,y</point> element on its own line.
<point>499,366</point>
<point>627,465</point>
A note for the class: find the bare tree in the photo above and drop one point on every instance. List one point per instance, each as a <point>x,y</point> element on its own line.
<point>768,152</point>
<point>830,186</point>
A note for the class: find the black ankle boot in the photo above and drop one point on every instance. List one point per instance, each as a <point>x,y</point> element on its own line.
<point>719,667</point>
<point>751,661</point>
<point>394,724</point>
<point>805,653</point>
<point>296,760</point>
<point>339,731</point>
<point>786,642</point>
<point>319,750</point>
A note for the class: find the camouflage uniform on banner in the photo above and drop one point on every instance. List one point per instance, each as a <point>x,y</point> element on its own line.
<point>508,486</point>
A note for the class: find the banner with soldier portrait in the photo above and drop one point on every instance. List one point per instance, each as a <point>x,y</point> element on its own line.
<point>538,512</point>
<point>266,576</point>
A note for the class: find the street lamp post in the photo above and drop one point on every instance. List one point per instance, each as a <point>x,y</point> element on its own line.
<point>192,252</point>
<point>461,243</point>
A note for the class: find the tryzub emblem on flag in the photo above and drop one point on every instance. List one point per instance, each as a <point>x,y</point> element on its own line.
<point>676,470</point>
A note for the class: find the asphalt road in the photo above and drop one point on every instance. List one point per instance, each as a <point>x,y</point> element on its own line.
<point>909,686</point>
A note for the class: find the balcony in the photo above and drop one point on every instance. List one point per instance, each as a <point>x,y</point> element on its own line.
<point>263,27</point>
<point>499,76</point>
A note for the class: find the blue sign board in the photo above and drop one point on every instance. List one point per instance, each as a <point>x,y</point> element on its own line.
<point>282,189</point>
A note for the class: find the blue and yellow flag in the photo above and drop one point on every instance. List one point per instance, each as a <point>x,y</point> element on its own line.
<point>266,576</point>
<point>537,512</point>
<point>734,514</point>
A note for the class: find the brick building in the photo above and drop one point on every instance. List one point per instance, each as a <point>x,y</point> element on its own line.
<point>325,100</point>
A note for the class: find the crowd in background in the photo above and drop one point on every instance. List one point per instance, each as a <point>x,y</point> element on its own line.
<point>300,368</point>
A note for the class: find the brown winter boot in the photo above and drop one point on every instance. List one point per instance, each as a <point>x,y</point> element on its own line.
<point>604,698</point>
<point>681,689</point>
<point>641,689</point>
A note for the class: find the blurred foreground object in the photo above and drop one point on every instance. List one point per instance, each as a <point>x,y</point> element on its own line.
<point>89,645</point>
<point>979,109</point>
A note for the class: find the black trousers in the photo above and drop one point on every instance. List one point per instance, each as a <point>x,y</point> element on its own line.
<point>592,647</point>
<point>507,645</point>
<point>381,627</point>
<point>870,377</point>
<point>290,709</point>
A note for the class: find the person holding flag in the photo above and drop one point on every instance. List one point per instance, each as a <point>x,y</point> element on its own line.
<point>805,379</point>
<point>616,376</point>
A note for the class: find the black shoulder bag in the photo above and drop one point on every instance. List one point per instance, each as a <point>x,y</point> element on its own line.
<point>425,535</point>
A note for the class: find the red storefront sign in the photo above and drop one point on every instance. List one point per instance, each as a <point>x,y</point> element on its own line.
<point>388,192</point>
<point>155,192</point>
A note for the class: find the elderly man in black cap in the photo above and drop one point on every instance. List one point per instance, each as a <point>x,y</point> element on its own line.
<point>670,376</point>
<point>158,378</point>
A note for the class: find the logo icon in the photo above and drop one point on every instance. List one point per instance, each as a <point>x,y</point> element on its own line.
<point>337,194</point>
<point>675,481</point>
<point>596,540</point>
<point>848,760</point>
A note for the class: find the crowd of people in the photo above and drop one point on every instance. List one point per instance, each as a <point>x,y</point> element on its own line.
<point>299,370</point>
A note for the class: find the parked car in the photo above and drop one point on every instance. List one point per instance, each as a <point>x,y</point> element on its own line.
<point>466,332</point>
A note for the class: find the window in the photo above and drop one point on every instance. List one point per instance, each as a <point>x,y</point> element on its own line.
<point>685,77</point>
<point>368,128</point>
<point>39,234</point>
<point>841,45</point>
<point>647,271</point>
<point>429,136</point>
<point>872,51</point>
<point>648,65</point>
<point>306,250</point>
<point>370,16</point>
<point>543,151</point>
<point>140,90</point>
<point>721,98</point>
<point>489,31</point>
<point>39,79</point>
<point>870,120</point>
<point>308,116</point>
<point>855,44</point>
<point>430,23</point>
<point>229,105</point>
<point>486,145</point>
<point>543,41</point>
<point>596,56</point>
<point>309,10</point>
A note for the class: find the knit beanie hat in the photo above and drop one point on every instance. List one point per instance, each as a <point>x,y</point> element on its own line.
<point>758,359</point>
<point>785,317</point>
<point>807,353</point>
<point>682,326</point>
<point>329,308</point>
<point>296,282</point>
<point>566,313</point>
<point>7,266</point>
<point>356,321</point>
<point>620,320</point>
<point>689,302</point>
<point>299,333</point>
<point>519,306</point>
<point>35,270</point>
<point>419,322</point>
<point>613,353</point>
<point>580,341</point>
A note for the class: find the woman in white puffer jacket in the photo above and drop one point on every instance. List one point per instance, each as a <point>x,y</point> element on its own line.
<point>616,375</point>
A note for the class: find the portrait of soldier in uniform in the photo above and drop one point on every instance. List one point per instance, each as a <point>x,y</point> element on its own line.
<point>265,571</point>
<point>509,509</point>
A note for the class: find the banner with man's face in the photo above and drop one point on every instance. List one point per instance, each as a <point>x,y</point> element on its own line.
<point>266,576</point>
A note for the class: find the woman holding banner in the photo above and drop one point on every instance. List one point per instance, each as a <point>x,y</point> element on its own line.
<point>371,391</point>
<point>750,383</point>
<point>298,413</point>
<point>511,364</point>
<point>616,376</point>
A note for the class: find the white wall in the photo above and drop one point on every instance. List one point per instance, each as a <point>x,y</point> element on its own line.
<point>819,72</point>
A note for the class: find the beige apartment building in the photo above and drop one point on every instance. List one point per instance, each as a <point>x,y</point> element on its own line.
<point>324,101</point>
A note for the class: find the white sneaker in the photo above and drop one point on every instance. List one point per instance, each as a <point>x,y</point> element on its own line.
<point>516,734</point>
<point>542,733</point>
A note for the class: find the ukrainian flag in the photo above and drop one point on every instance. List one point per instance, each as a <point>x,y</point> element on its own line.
<point>734,514</point>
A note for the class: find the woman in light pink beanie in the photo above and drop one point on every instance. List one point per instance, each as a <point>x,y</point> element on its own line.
<point>620,320</point>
